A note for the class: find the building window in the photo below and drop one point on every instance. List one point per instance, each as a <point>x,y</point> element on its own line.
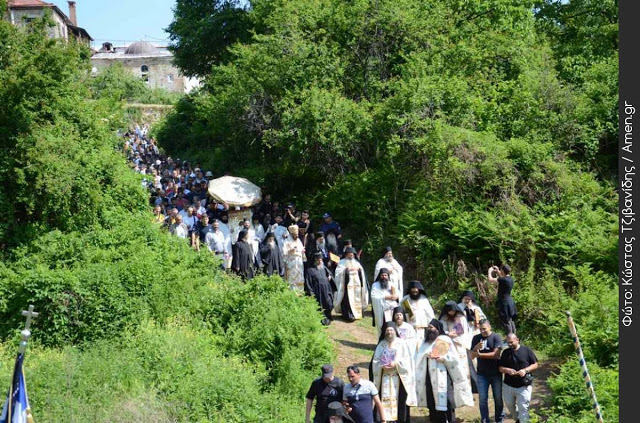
<point>170,77</point>
<point>144,73</point>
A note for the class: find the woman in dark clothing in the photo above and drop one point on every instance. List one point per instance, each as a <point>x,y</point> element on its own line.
<point>506,307</point>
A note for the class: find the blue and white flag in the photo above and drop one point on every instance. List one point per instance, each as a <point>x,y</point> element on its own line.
<point>16,408</point>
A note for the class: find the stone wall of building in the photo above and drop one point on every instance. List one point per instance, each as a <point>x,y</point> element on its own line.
<point>161,71</point>
<point>21,17</point>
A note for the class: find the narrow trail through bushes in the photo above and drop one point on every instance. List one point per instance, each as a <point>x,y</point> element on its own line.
<point>355,343</point>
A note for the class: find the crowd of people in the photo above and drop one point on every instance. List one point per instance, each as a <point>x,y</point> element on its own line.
<point>420,361</point>
<point>437,362</point>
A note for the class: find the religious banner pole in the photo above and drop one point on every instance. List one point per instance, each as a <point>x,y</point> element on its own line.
<point>583,364</point>
<point>16,408</point>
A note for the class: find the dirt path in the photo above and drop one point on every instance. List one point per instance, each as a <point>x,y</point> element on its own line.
<point>355,343</point>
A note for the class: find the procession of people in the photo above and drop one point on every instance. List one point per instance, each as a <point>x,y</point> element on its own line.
<point>421,360</point>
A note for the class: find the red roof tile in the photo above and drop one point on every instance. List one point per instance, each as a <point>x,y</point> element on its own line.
<point>29,3</point>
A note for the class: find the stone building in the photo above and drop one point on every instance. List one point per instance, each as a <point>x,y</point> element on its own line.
<point>22,12</point>
<point>154,64</point>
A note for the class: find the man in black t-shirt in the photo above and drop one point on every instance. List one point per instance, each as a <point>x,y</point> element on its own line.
<point>486,348</point>
<point>516,363</point>
<point>325,390</point>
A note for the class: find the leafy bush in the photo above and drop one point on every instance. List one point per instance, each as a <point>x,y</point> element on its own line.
<point>56,152</point>
<point>157,374</point>
<point>593,303</point>
<point>270,325</point>
<point>571,398</point>
<point>483,200</point>
<point>92,285</point>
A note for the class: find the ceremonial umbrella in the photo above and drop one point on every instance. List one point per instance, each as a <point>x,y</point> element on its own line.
<point>235,191</point>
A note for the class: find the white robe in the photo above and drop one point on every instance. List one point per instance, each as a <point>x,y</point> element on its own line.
<point>227,234</point>
<point>462,394</point>
<point>259,234</point>
<point>293,263</point>
<point>459,324</point>
<point>395,274</point>
<point>388,380</point>
<point>419,313</point>
<point>279,231</point>
<point>382,309</point>
<point>479,316</point>
<point>408,334</point>
<point>461,341</point>
<point>357,290</point>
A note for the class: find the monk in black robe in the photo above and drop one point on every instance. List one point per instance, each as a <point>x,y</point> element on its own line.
<point>271,256</point>
<point>243,257</point>
<point>318,281</point>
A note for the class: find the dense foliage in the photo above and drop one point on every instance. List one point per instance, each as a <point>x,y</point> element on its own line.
<point>134,325</point>
<point>464,133</point>
<point>461,115</point>
<point>157,374</point>
<point>56,156</point>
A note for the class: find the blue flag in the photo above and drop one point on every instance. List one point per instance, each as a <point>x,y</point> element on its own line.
<point>16,408</point>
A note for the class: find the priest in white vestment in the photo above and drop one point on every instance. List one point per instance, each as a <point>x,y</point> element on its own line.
<point>294,260</point>
<point>258,236</point>
<point>393,374</point>
<point>395,270</point>
<point>280,231</point>
<point>227,234</point>
<point>418,309</point>
<point>473,312</point>
<point>441,386</point>
<point>457,328</point>
<point>405,330</point>
<point>384,299</point>
<point>353,292</point>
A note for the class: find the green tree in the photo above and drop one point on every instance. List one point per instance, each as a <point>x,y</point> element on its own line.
<point>118,83</point>
<point>202,30</point>
<point>56,156</point>
<point>584,37</point>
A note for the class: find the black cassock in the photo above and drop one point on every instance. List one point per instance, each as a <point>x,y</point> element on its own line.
<point>242,262</point>
<point>272,259</point>
<point>320,284</point>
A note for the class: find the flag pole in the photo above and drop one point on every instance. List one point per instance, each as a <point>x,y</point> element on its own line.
<point>583,364</point>
<point>18,391</point>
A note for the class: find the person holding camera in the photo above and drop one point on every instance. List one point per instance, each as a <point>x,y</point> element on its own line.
<point>516,363</point>
<point>290,215</point>
<point>506,305</point>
